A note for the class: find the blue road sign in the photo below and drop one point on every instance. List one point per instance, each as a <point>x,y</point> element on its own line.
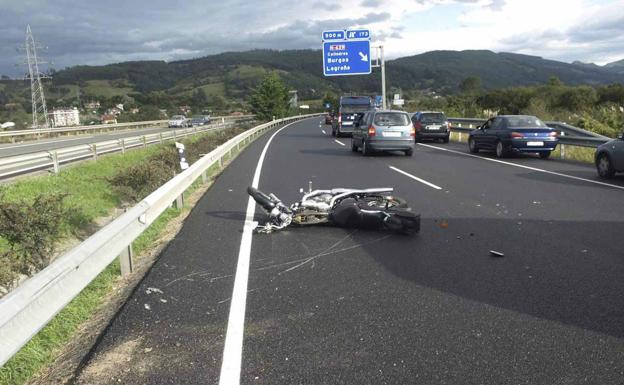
<point>346,52</point>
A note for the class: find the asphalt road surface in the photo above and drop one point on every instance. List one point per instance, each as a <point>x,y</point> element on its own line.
<point>47,144</point>
<point>335,306</point>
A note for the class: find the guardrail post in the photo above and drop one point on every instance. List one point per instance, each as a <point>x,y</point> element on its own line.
<point>562,148</point>
<point>122,142</point>
<point>160,137</point>
<point>205,176</point>
<point>94,149</point>
<point>179,202</point>
<point>125,260</point>
<point>460,136</point>
<point>174,136</point>
<point>55,162</point>
<point>144,141</point>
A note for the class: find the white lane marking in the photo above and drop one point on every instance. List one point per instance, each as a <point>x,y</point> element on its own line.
<point>324,133</point>
<point>407,174</point>
<point>233,350</point>
<point>526,167</point>
<point>339,142</point>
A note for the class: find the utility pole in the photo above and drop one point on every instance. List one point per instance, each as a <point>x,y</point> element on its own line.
<point>39,109</point>
<point>380,62</point>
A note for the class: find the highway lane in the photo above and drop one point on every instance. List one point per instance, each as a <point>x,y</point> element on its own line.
<point>334,306</point>
<point>21,148</point>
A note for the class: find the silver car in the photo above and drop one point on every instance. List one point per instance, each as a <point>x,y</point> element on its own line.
<point>609,157</point>
<point>384,130</point>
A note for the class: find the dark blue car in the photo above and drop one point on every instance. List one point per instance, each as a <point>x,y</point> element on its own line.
<point>508,134</point>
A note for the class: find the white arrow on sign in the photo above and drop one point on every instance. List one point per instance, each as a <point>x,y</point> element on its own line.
<point>364,57</point>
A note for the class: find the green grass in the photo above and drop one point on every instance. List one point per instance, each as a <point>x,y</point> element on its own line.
<point>105,89</point>
<point>43,349</point>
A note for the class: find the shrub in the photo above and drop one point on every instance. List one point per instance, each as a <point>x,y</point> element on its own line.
<point>31,230</point>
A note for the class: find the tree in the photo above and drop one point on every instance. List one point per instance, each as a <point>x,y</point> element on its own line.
<point>199,99</point>
<point>470,85</point>
<point>554,81</point>
<point>331,99</point>
<point>270,98</point>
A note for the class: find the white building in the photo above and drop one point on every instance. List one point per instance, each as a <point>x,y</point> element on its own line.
<point>64,117</point>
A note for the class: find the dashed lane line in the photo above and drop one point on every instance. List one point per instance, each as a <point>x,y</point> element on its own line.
<point>407,174</point>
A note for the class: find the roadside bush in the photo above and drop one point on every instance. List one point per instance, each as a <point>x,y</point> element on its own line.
<point>30,230</point>
<point>138,181</point>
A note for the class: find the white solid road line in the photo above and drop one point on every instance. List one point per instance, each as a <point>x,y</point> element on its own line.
<point>339,142</point>
<point>324,133</point>
<point>233,350</point>
<point>415,178</point>
<point>526,167</point>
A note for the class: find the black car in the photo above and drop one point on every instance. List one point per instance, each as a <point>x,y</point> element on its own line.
<point>513,133</point>
<point>200,120</point>
<point>431,125</point>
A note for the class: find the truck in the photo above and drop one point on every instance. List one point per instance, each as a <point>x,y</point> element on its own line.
<point>350,109</point>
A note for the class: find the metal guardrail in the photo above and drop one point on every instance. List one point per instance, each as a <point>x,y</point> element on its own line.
<point>108,127</point>
<point>579,136</point>
<point>562,127</point>
<point>28,308</point>
<point>23,164</point>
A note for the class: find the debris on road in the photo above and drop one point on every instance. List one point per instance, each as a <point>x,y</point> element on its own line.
<point>496,253</point>
<point>151,290</point>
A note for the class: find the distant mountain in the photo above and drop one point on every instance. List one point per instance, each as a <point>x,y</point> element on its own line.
<point>616,66</point>
<point>233,74</point>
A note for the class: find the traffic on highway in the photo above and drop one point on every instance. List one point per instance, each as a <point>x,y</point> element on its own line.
<point>360,192</point>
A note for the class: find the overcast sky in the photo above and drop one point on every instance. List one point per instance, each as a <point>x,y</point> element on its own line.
<point>100,32</point>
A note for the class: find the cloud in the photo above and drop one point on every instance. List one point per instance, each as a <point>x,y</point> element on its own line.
<point>116,30</point>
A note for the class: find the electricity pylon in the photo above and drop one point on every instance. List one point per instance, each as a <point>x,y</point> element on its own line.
<point>39,109</point>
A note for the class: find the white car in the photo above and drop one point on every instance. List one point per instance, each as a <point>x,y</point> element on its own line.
<point>178,121</point>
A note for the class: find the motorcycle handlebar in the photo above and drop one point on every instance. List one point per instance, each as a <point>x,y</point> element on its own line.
<point>261,198</point>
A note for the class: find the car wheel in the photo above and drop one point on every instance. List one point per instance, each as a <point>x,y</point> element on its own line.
<point>605,166</point>
<point>500,150</point>
<point>472,146</point>
<point>417,140</point>
<point>409,152</point>
<point>354,147</point>
<point>445,140</point>
<point>365,150</point>
<point>334,132</point>
<point>544,154</point>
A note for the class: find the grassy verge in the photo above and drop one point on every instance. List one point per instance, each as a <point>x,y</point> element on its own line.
<point>93,197</point>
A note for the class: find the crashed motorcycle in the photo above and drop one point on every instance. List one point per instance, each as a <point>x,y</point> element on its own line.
<point>374,208</point>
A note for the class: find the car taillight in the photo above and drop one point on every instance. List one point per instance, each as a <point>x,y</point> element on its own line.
<point>553,134</point>
<point>371,131</point>
<point>517,135</point>
<point>413,132</point>
<point>447,125</point>
<point>417,126</point>
<point>340,118</point>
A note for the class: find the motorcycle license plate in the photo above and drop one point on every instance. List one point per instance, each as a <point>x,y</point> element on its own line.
<point>535,143</point>
<point>391,134</point>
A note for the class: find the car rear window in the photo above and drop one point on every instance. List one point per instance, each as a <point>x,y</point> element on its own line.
<point>391,119</point>
<point>524,122</point>
<point>433,117</point>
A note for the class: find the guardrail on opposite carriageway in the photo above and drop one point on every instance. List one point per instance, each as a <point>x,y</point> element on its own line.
<point>28,308</point>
